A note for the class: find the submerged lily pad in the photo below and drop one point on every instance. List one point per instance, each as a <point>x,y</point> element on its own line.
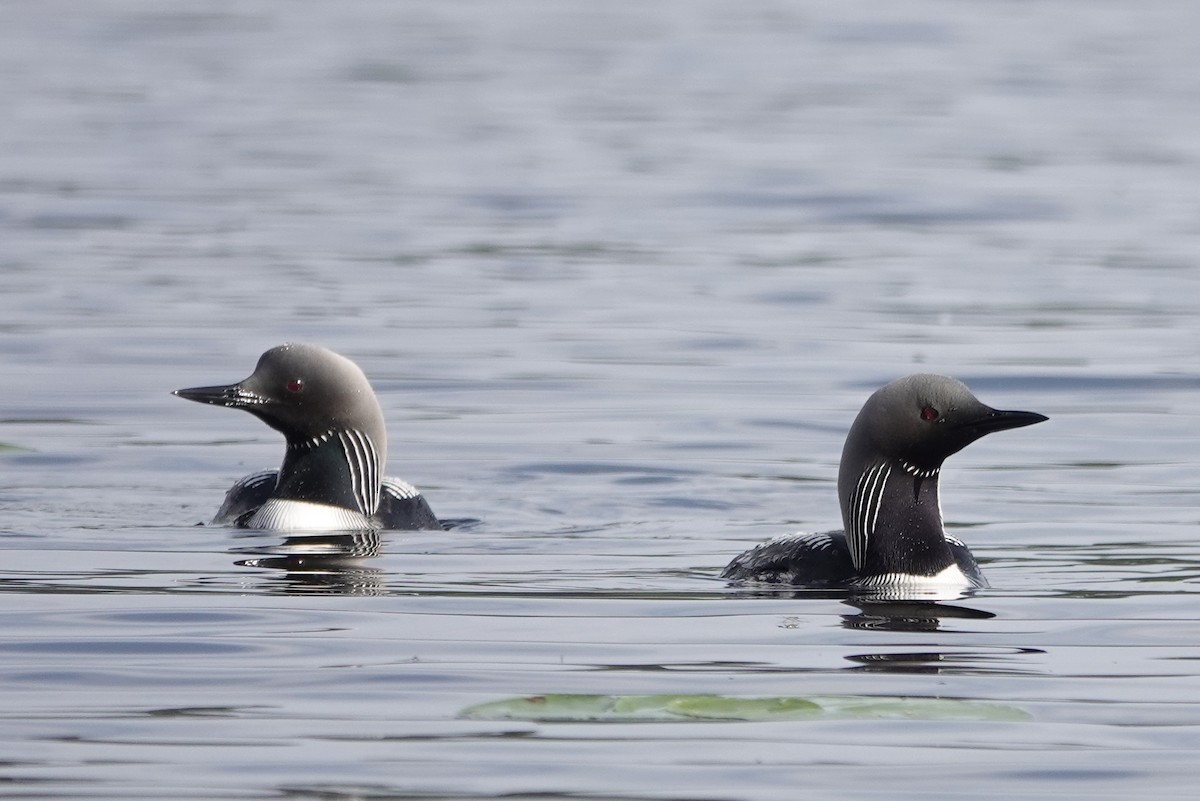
<point>564,708</point>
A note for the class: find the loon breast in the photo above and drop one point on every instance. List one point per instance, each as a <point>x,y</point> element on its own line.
<point>948,584</point>
<point>280,514</point>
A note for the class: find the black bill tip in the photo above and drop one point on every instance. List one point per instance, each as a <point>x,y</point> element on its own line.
<point>997,420</point>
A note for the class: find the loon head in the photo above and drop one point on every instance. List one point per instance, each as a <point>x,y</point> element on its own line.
<point>887,482</point>
<point>919,420</point>
<point>325,408</point>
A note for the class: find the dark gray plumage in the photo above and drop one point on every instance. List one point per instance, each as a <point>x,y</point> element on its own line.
<point>888,489</point>
<point>332,472</point>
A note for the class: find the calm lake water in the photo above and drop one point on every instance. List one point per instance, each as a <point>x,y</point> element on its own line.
<point>622,275</point>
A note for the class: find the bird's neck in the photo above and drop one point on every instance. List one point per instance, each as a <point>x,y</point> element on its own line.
<point>907,535</point>
<point>340,467</point>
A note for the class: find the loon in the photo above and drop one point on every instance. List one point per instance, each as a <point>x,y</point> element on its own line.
<point>894,540</point>
<point>332,472</point>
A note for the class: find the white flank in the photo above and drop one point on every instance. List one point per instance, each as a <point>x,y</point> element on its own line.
<point>946,585</point>
<point>278,514</point>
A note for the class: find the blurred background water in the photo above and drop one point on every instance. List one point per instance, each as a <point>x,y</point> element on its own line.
<point>622,274</point>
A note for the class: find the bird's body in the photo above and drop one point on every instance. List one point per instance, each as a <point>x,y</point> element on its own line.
<point>249,503</point>
<point>332,472</point>
<point>822,561</point>
<point>893,538</point>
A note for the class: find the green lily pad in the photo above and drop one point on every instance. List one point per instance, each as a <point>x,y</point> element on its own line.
<point>720,707</point>
<point>567,708</point>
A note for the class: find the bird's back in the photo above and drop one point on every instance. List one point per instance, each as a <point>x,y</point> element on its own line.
<point>804,559</point>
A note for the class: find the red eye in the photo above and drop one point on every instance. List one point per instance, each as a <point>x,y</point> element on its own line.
<point>295,385</point>
<point>929,414</point>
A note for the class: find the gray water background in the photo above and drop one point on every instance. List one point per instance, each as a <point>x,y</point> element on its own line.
<point>622,274</point>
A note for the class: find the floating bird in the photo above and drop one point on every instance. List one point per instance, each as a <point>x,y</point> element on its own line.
<point>894,540</point>
<point>332,473</point>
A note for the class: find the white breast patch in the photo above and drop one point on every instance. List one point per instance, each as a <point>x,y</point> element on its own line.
<point>278,514</point>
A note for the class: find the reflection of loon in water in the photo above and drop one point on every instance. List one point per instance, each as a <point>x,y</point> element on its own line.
<point>335,563</point>
<point>894,544</point>
<point>332,477</point>
<point>993,661</point>
<point>928,616</point>
<point>322,563</point>
<point>907,615</point>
